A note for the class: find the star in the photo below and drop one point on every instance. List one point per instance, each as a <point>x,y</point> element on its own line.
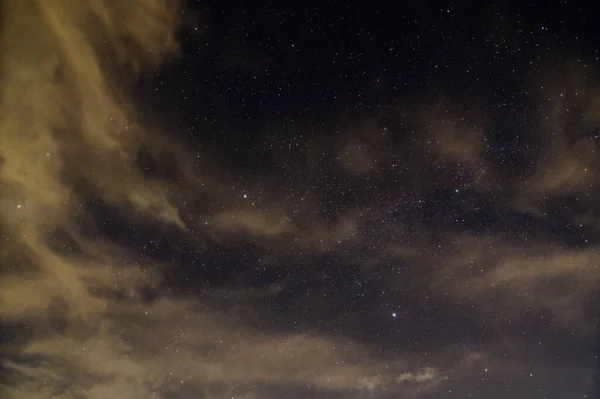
<point>394,315</point>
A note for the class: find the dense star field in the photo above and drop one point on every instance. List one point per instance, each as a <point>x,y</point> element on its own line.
<point>285,199</point>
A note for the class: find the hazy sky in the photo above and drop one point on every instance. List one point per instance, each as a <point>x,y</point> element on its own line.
<point>269,199</point>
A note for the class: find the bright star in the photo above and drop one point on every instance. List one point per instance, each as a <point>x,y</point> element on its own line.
<point>394,315</point>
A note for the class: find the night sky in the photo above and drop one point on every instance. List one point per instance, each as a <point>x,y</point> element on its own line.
<point>286,199</point>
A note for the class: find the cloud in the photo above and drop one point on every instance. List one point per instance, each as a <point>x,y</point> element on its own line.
<point>253,222</point>
<point>122,358</point>
<point>61,80</point>
<point>64,119</point>
<point>512,277</point>
<point>455,137</point>
<point>99,317</point>
<point>354,157</point>
<point>424,375</point>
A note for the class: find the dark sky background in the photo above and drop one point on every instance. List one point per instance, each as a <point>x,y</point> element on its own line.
<point>324,199</point>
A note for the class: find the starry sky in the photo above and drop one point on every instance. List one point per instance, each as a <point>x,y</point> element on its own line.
<point>282,199</point>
